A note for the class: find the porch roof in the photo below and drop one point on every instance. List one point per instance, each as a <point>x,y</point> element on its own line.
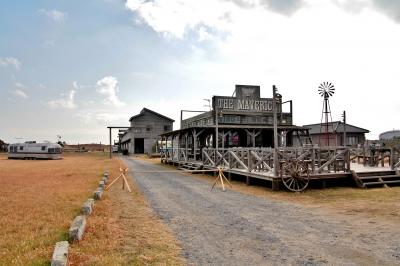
<point>175,132</point>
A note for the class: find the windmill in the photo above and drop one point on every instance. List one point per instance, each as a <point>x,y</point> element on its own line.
<point>326,90</point>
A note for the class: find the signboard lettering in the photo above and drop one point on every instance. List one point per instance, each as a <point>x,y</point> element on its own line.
<point>260,105</point>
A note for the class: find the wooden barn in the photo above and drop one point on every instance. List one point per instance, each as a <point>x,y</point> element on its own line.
<point>144,132</point>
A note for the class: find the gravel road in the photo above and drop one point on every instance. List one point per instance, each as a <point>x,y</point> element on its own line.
<point>230,228</point>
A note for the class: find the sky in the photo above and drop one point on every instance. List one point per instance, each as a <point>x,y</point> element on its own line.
<point>71,68</point>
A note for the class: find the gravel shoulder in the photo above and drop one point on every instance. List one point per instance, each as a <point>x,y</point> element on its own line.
<point>231,228</point>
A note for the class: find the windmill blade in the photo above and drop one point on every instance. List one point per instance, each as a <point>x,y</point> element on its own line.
<point>326,89</point>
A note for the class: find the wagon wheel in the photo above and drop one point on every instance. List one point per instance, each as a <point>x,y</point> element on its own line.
<point>297,177</point>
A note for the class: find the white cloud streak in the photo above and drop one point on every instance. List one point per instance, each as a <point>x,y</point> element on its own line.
<point>108,87</point>
<point>20,93</point>
<point>55,15</point>
<point>10,61</point>
<point>66,101</point>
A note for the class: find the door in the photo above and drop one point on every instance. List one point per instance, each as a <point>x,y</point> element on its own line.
<point>139,145</point>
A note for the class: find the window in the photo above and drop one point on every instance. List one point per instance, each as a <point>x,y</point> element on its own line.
<point>352,140</point>
<point>148,128</point>
<point>137,130</point>
<point>21,148</point>
<point>167,128</point>
<point>51,150</point>
<point>43,148</point>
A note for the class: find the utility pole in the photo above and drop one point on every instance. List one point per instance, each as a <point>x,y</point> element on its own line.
<point>344,129</point>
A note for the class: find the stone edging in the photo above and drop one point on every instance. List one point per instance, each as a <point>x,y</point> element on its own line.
<point>78,225</point>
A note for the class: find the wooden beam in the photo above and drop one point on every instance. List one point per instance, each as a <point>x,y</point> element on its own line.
<point>238,160</point>
<point>319,170</point>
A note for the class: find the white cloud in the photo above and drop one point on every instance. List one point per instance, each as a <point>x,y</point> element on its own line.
<point>67,101</point>
<point>175,18</point>
<point>350,43</point>
<point>10,61</point>
<point>19,85</point>
<point>103,117</point>
<point>20,93</point>
<point>55,15</point>
<point>107,87</point>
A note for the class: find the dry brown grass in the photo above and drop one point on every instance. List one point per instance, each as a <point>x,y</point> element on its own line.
<point>123,230</point>
<point>39,199</point>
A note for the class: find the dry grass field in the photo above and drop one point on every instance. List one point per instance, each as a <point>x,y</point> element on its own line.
<point>39,200</point>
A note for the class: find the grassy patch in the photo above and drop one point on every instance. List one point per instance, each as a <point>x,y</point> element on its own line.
<point>124,231</point>
<point>39,200</point>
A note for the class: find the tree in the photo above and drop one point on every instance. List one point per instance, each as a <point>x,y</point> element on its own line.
<point>3,145</point>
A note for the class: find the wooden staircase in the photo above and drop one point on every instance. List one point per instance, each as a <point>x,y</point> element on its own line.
<point>376,179</point>
<point>190,166</point>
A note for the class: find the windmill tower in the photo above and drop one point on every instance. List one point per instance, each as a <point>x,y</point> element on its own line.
<point>326,90</point>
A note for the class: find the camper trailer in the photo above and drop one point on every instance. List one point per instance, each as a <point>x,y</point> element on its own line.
<point>33,150</point>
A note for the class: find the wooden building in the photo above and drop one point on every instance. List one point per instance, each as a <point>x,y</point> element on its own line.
<point>355,136</point>
<point>144,132</point>
<point>242,120</point>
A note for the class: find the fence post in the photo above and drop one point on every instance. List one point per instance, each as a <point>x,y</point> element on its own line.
<point>249,161</point>
<point>312,160</point>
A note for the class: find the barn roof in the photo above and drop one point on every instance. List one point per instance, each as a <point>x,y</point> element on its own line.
<point>145,110</point>
<point>336,126</point>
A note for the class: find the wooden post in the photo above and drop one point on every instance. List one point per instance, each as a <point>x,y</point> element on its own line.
<point>364,160</point>
<point>194,135</point>
<point>186,146</point>
<point>254,138</point>
<point>275,184</point>
<point>274,91</point>
<point>344,129</point>
<point>391,160</point>
<point>172,143</point>
<point>216,126</point>
<point>312,160</point>
<point>249,164</point>
<point>110,144</point>
<point>223,140</point>
<point>247,180</point>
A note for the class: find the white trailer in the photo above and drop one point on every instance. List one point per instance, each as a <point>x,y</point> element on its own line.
<point>33,150</point>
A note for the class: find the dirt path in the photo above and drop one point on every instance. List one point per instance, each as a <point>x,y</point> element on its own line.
<point>230,228</point>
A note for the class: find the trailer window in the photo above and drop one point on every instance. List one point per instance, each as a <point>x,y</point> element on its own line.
<point>21,148</point>
<point>43,148</point>
<point>51,150</point>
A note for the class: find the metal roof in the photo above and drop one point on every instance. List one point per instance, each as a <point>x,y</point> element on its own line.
<point>292,127</point>
<point>145,110</point>
<point>335,126</point>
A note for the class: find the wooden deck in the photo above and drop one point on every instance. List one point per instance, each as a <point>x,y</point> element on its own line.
<point>323,164</point>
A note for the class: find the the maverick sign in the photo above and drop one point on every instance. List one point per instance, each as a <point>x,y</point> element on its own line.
<point>247,99</point>
<point>234,104</point>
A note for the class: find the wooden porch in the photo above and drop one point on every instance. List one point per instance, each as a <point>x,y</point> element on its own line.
<point>295,167</point>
